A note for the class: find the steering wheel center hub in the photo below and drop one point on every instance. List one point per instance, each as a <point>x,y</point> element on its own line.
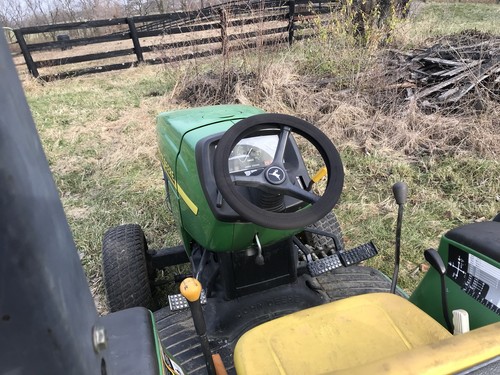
<point>275,175</point>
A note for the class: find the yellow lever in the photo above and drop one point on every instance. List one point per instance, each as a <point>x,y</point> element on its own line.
<point>191,289</point>
<point>321,173</point>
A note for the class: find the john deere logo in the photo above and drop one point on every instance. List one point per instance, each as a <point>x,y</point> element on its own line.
<point>275,175</point>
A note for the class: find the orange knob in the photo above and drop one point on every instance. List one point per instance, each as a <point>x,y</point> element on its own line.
<point>191,289</point>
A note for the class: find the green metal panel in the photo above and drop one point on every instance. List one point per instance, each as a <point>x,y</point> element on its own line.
<point>172,126</point>
<point>178,133</point>
<point>427,296</point>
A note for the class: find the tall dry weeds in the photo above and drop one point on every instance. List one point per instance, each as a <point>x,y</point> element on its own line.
<point>369,115</point>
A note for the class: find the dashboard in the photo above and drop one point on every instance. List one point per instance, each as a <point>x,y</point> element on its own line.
<point>477,278</point>
<point>249,156</point>
<point>253,153</point>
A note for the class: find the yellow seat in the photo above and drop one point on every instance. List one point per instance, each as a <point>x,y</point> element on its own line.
<point>371,333</point>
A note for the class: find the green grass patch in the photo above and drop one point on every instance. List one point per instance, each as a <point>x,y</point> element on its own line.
<point>434,19</point>
<point>443,193</point>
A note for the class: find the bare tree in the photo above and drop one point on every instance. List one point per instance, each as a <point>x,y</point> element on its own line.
<point>21,13</point>
<point>68,10</point>
<point>160,7</point>
<point>37,13</point>
<point>139,7</point>
<point>90,9</point>
<point>13,14</point>
<point>3,14</point>
<point>369,14</point>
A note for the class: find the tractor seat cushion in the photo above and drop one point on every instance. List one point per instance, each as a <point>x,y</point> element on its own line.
<point>337,336</point>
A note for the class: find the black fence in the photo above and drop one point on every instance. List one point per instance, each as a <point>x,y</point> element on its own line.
<point>164,38</point>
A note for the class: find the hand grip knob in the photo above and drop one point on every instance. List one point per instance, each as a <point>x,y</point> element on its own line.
<point>400,191</point>
<point>191,289</point>
<point>435,260</point>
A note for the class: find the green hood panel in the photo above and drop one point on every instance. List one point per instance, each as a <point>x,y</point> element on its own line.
<point>178,134</point>
<point>172,126</point>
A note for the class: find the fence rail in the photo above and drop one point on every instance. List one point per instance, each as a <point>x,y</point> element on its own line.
<point>219,29</point>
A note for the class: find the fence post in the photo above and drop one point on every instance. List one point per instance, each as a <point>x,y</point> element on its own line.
<point>26,53</point>
<point>223,32</point>
<point>135,39</point>
<point>291,20</point>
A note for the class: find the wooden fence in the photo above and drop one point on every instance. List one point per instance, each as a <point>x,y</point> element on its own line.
<point>163,38</point>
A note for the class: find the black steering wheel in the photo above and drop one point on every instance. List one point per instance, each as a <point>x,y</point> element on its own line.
<point>274,177</point>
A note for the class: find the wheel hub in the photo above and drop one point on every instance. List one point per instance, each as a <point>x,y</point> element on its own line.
<point>275,175</point>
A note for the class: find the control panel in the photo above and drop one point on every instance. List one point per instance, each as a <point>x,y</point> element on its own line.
<point>477,278</point>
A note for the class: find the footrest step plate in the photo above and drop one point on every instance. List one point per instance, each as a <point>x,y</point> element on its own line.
<point>323,265</point>
<point>358,254</point>
<point>179,302</point>
<point>344,258</point>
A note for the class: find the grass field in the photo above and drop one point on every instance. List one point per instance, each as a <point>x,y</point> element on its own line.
<point>99,136</point>
<point>442,18</point>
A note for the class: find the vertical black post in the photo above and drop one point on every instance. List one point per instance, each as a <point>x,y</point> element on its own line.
<point>135,39</point>
<point>291,20</point>
<point>26,53</point>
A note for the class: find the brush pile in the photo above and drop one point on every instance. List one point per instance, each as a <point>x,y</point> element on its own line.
<point>455,72</point>
<point>370,108</point>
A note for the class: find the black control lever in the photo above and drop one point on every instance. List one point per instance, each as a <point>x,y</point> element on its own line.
<point>400,191</point>
<point>434,259</point>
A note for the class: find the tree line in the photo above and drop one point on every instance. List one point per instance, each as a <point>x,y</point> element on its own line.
<point>24,13</point>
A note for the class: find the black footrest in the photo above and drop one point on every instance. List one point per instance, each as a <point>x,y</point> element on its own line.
<point>323,265</point>
<point>358,254</point>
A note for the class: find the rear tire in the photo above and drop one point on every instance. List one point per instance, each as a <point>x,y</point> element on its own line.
<point>329,224</point>
<point>125,268</point>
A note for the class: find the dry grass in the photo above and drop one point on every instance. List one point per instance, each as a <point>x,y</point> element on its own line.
<point>367,116</point>
<point>437,18</point>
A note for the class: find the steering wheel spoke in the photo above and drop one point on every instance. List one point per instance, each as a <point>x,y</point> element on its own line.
<point>286,188</point>
<point>296,191</point>
<point>254,181</point>
<point>279,155</point>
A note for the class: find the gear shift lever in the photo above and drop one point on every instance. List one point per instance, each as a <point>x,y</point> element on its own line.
<point>400,191</point>
<point>191,290</point>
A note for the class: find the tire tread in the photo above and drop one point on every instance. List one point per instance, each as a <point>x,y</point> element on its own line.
<point>330,224</point>
<point>125,272</point>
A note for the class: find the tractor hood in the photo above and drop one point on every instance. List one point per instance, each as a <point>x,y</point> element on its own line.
<point>179,133</point>
<point>173,126</point>
<point>194,118</point>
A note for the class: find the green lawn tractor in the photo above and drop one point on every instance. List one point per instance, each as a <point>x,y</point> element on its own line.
<point>271,288</point>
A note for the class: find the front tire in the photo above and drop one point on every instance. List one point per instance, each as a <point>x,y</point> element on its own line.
<point>329,224</point>
<point>125,268</point>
